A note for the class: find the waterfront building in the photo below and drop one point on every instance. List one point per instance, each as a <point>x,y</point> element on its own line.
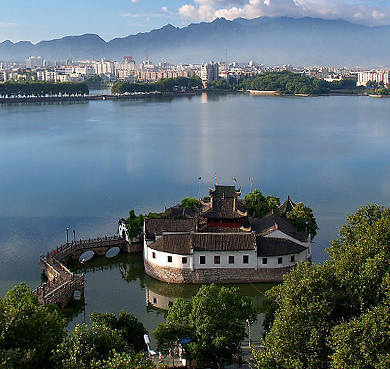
<point>220,243</point>
<point>378,76</point>
<point>209,72</point>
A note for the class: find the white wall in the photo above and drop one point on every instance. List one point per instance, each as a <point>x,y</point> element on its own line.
<point>161,259</point>
<point>272,261</point>
<point>224,259</point>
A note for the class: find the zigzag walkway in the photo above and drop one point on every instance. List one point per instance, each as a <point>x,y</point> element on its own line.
<point>62,283</point>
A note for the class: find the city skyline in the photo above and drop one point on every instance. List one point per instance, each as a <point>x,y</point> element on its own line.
<point>24,21</point>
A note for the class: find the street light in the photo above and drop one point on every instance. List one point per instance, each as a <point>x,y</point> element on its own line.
<point>67,235</point>
<point>251,179</point>
<point>199,178</point>
<point>249,322</point>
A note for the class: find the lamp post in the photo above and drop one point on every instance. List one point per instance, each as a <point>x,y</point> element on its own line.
<point>67,235</point>
<point>249,322</point>
<point>251,179</point>
<point>199,178</point>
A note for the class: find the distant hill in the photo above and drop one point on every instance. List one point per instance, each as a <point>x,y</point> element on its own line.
<point>271,41</point>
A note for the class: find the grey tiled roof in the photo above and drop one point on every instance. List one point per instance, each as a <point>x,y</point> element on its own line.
<point>223,209</point>
<point>268,246</point>
<point>173,244</point>
<point>223,241</point>
<point>224,191</point>
<point>286,207</point>
<point>155,227</point>
<point>183,243</point>
<point>273,221</point>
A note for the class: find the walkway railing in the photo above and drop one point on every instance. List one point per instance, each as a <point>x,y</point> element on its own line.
<point>62,283</point>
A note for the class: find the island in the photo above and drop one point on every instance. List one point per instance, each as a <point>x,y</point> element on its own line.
<point>218,240</point>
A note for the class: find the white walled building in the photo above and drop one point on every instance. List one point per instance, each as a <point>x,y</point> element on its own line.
<point>220,244</point>
<point>373,76</point>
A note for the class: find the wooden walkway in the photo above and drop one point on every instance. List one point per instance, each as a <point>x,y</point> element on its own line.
<point>62,283</point>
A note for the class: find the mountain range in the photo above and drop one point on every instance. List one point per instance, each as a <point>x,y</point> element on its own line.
<point>270,41</point>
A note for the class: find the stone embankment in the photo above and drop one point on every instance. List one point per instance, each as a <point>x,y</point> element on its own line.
<point>62,284</point>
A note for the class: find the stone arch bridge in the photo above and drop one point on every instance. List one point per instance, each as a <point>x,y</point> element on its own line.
<point>62,284</point>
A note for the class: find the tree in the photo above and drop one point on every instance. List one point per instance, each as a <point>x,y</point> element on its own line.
<point>214,322</point>
<point>258,205</point>
<point>303,218</point>
<point>125,360</point>
<point>28,332</point>
<point>190,203</point>
<point>134,224</point>
<point>127,326</point>
<point>87,346</point>
<point>336,314</point>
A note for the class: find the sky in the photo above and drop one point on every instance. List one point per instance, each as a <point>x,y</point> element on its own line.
<point>24,20</point>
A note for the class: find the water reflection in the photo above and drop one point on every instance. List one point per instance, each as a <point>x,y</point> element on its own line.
<point>159,296</point>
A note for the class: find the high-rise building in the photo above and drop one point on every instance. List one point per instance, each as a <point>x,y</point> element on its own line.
<point>209,72</point>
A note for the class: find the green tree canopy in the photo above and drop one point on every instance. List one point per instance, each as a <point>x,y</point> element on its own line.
<point>127,326</point>
<point>87,346</point>
<point>134,224</point>
<point>259,205</point>
<point>190,203</point>
<point>214,321</point>
<point>303,218</point>
<point>336,314</point>
<point>28,332</point>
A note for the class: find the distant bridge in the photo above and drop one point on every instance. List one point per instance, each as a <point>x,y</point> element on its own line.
<point>62,284</point>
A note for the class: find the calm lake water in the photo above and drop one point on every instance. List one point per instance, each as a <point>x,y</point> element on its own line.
<point>85,165</point>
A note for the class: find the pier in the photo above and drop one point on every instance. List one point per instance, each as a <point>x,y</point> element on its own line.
<point>62,284</point>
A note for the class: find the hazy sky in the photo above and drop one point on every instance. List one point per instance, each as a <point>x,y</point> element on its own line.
<point>48,19</point>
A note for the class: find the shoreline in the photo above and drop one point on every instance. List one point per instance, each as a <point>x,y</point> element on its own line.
<point>138,95</point>
<point>34,99</point>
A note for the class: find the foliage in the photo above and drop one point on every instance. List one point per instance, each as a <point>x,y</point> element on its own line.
<point>336,314</point>
<point>95,81</point>
<point>134,224</point>
<point>190,203</point>
<point>87,346</point>
<point>287,82</point>
<point>125,360</point>
<point>380,91</point>
<point>40,89</point>
<point>344,84</point>
<point>214,321</point>
<point>28,332</point>
<point>302,217</point>
<point>258,205</point>
<point>162,85</point>
<point>127,326</point>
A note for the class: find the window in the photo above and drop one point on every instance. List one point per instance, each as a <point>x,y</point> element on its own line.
<point>231,259</point>
<point>153,255</point>
<point>293,258</point>
<point>202,259</point>
<point>264,260</point>
<point>169,259</point>
<point>184,260</point>
<point>280,260</point>
<point>245,259</point>
<point>154,300</point>
<point>217,259</point>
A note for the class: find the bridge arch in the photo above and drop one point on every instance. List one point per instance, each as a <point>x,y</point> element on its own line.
<point>86,255</point>
<point>112,252</point>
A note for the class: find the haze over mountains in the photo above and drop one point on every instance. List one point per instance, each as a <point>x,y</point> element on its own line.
<point>270,41</point>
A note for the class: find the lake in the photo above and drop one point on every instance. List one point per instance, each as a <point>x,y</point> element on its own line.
<point>84,165</point>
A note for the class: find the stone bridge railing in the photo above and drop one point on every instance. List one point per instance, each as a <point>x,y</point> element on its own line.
<point>62,283</point>
<point>73,250</point>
